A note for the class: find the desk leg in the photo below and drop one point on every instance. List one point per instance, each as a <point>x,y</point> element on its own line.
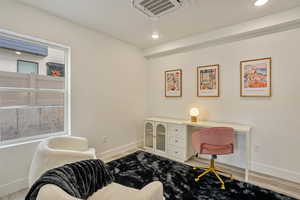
<point>248,156</point>
<point>247,175</point>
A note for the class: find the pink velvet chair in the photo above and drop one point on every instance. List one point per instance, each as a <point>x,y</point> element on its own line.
<point>213,141</point>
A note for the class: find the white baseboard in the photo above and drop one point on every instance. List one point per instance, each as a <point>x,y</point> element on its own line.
<point>12,187</point>
<point>276,172</point>
<point>120,149</point>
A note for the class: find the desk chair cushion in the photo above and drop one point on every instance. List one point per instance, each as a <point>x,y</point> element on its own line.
<point>214,141</point>
<point>216,149</point>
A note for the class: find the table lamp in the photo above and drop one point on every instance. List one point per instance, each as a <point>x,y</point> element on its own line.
<point>194,112</point>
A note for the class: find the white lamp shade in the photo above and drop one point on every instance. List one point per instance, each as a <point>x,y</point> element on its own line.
<point>194,112</point>
<point>260,2</point>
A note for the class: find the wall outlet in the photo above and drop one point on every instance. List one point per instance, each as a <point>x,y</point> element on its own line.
<point>256,148</point>
<point>104,139</point>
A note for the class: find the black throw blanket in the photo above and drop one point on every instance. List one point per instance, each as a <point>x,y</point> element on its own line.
<point>80,179</point>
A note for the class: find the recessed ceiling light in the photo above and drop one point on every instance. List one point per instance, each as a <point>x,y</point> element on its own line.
<point>18,53</point>
<point>260,2</point>
<point>155,36</point>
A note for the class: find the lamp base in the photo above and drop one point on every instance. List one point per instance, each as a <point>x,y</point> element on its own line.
<point>193,118</point>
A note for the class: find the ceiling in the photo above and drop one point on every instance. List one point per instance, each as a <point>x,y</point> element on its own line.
<point>118,19</point>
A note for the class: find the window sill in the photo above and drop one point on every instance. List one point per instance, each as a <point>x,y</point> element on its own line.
<point>28,140</point>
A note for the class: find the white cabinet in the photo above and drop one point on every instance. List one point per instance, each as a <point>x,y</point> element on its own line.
<point>149,135</point>
<point>166,139</point>
<point>160,137</point>
<point>155,137</point>
<point>177,141</point>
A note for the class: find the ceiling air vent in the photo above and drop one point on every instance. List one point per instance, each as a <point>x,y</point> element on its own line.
<point>156,8</point>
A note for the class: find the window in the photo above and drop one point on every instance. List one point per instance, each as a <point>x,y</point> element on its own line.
<point>28,67</point>
<point>33,103</point>
<point>55,69</point>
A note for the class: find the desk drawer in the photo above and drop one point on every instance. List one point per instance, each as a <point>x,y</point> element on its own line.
<point>176,152</point>
<point>177,141</point>
<point>176,130</point>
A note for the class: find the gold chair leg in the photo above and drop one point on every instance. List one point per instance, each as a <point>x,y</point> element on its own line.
<point>201,167</point>
<point>213,169</point>
<point>203,174</point>
<point>221,171</point>
<point>220,179</point>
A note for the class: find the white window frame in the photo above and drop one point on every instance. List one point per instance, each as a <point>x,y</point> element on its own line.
<point>67,90</point>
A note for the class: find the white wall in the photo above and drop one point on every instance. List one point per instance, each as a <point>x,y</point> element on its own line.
<point>108,87</point>
<point>275,120</point>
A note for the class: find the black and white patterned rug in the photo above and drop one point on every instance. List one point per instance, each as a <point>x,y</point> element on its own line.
<point>140,168</point>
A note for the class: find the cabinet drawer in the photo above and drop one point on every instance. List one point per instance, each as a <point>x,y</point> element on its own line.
<point>176,130</point>
<point>176,152</point>
<point>177,141</point>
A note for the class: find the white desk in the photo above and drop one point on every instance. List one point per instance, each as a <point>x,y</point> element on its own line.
<point>180,127</point>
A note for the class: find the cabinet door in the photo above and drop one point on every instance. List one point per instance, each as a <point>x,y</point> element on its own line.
<point>160,137</point>
<point>149,135</point>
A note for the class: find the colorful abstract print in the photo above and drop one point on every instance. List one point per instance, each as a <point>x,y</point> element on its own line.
<point>256,76</point>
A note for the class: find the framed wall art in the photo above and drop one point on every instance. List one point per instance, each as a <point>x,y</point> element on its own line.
<point>256,77</point>
<point>173,83</point>
<point>208,81</point>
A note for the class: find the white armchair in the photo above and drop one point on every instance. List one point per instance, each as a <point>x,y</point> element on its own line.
<point>114,191</point>
<point>57,151</point>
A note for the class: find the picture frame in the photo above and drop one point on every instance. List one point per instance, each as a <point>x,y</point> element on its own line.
<point>256,77</point>
<point>173,83</point>
<point>208,81</point>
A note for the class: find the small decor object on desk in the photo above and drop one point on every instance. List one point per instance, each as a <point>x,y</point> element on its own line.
<point>173,83</point>
<point>194,112</point>
<point>208,81</point>
<point>256,77</point>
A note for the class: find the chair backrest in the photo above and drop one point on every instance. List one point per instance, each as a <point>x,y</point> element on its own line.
<point>67,143</point>
<point>212,136</point>
<point>57,151</point>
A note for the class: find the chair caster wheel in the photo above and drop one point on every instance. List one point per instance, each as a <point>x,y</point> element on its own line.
<point>222,187</point>
<point>196,179</point>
